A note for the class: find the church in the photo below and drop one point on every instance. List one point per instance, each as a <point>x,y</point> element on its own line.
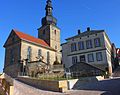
<point>26,49</point>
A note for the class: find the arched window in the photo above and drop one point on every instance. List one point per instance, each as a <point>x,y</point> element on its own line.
<point>55,32</point>
<point>29,52</point>
<point>39,53</point>
<point>11,56</point>
<point>48,57</point>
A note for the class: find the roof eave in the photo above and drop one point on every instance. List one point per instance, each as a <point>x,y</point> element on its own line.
<point>38,44</point>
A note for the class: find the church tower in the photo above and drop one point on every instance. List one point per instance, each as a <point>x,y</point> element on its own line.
<point>49,31</point>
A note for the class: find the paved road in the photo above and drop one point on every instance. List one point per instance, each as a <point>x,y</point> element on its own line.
<point>24,89</point>
<point>109,87</point>
<point>105,87</point>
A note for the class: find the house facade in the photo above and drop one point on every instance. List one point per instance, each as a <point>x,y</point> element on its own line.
<point>118,55</point>
<point>92,47</point>
<point>28,49</point>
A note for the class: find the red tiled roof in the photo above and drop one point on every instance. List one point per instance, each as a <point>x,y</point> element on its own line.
<point>30,38</point>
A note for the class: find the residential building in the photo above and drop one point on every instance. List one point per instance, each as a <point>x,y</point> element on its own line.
<point>114,59</point>
<point>28,49</point>
<point>118,55</point>
<point>92,47</point>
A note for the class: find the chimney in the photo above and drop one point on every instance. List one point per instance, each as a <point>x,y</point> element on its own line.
<point>88,28</point>
<point>79,32</point>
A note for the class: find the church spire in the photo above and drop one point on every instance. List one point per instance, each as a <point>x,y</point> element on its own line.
<point>49,19</point>
<point>49,8</point>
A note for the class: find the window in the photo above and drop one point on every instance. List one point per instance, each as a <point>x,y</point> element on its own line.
<point>55,47</point>
<point>39,53</point>
<point>82,58</point>
<point>90,58</point>
<point>81,45</point>
<point>73,47</point>
<point>48,57</point>
<point>11,56</point>
<point>29,54</point>
<point>55,32</point>
<point>89,44</point>
<point>99,56</point>
<point>74,60</point>
<point>97,42</point>
<point>18,50</point>
<point>13,39</point>
<point>43,32</point>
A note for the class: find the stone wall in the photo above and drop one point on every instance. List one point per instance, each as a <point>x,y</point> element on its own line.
<point>51,85</point>
<point>6,85</point>
<point>23,89</point>
<point>34,52</point>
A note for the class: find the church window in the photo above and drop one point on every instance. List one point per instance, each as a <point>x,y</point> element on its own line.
<point>18,50</point>
<point>29,52</point>
<point>55,47</point>
<point>55,32</point>
<point>11,56</point>
<point>13,39</point>
<point>39,53</point>
<point>48,57</point>
<point>43,32</point>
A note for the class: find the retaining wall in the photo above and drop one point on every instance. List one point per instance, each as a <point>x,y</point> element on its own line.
<point>51,85</point>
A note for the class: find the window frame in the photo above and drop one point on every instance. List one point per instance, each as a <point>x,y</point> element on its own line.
<point>73,47</point>
<point>81,45</point>
<point>11,56</point>
<point>91,54</point>
<point>39,53</point>
<point>74,59</point>
<point>29,53</point>
<point>81,58</point>
<point>99,42</point>
<point>101,56</point>
<point>89,44</point>
<point>48,57</point>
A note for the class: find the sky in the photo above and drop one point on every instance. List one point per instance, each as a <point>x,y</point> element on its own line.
<point>26,15</point>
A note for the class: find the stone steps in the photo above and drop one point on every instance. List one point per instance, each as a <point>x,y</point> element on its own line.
<point>116,72</point>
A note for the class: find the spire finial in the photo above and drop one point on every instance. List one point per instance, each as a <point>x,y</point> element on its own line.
<point>49,8</point>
